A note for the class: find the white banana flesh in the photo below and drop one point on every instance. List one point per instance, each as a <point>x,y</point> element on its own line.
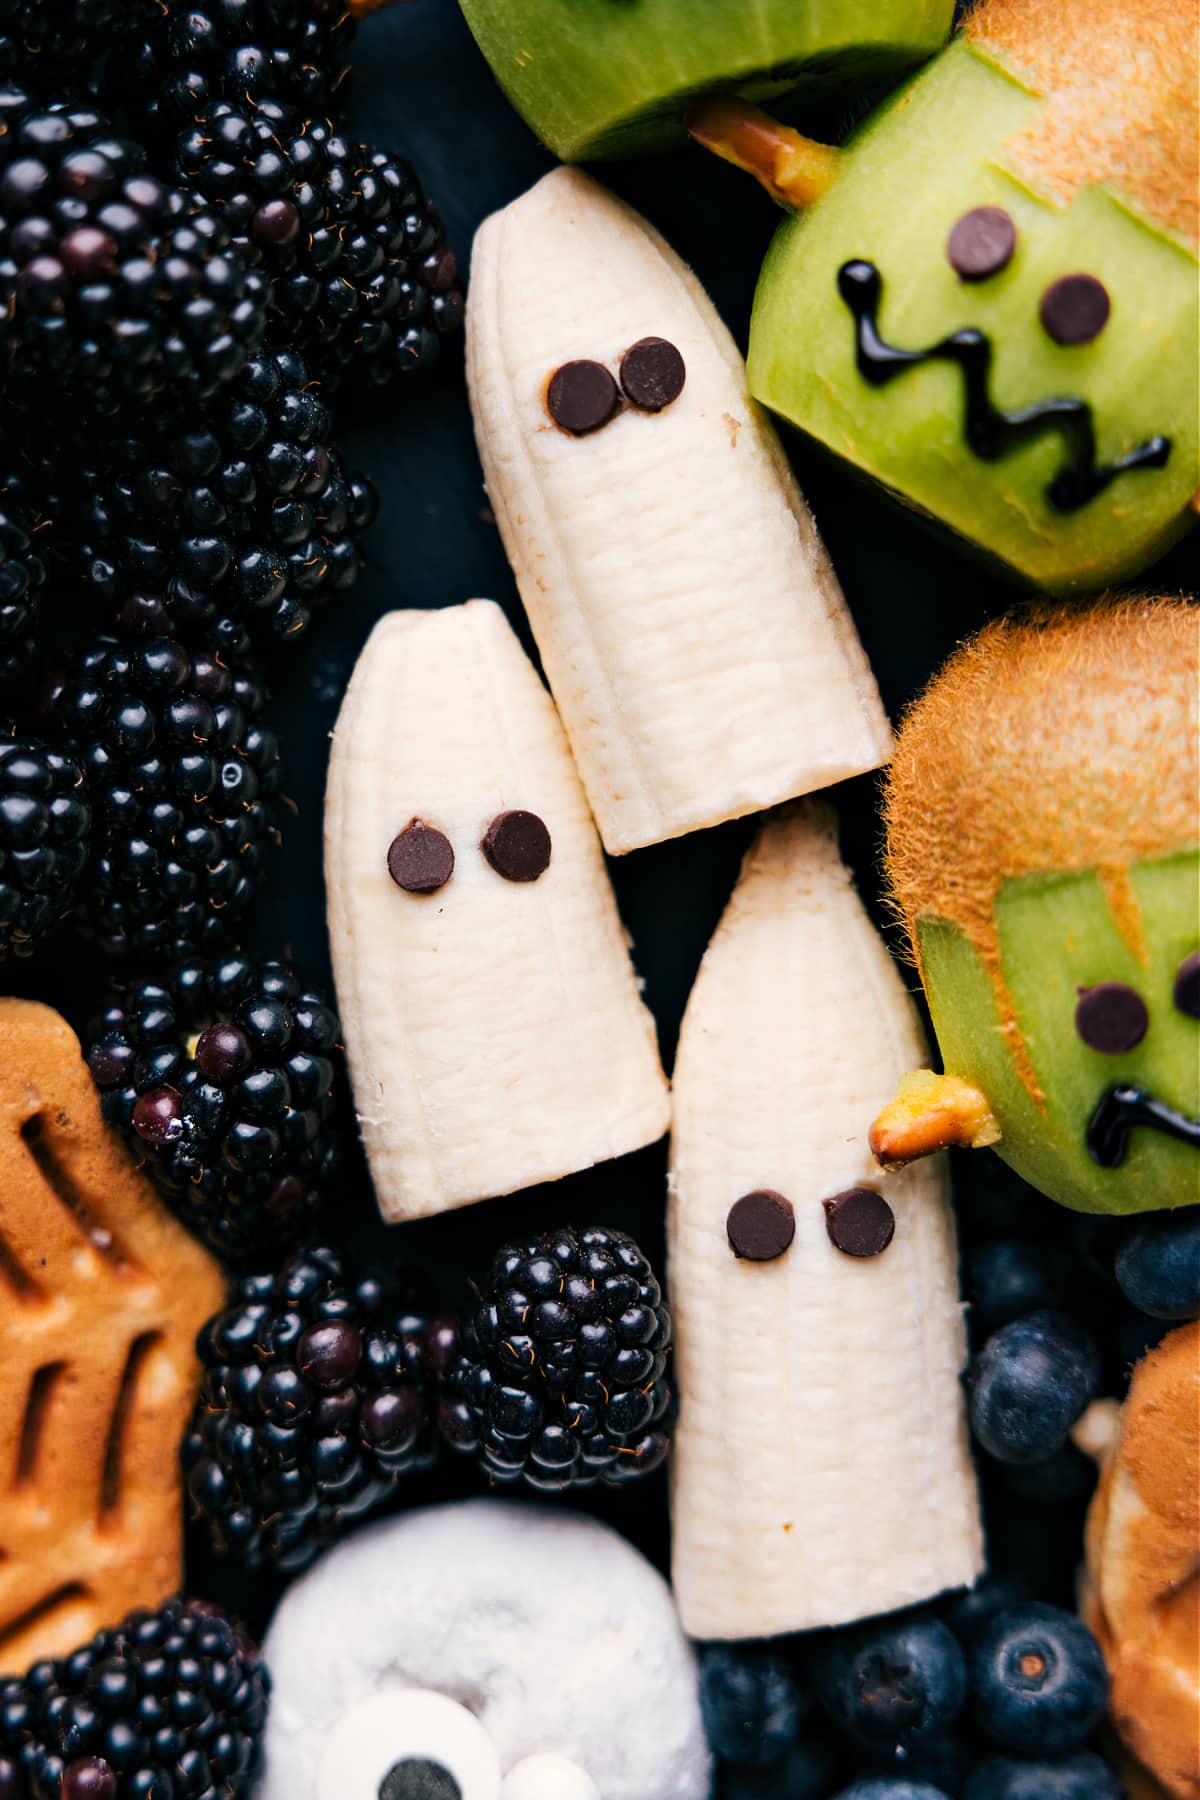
<point>690,623</point>
<point>821,1470</point>
<point>495,1029</point>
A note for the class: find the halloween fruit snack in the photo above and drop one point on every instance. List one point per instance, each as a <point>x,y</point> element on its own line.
<point>1042,851</point>
<point>603,80</point>
<point>1004,336</point>
<point>1140,1593</point>
<point>101,1295</point>
<point>819,1334</point>
<point>374,1652</point>
<point>691,626</point>
<point>493,1025</point>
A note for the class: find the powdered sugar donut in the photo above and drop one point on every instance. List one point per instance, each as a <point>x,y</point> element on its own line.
<point>482,1651</point>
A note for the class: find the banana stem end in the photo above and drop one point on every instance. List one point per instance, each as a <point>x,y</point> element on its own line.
<point>795,170</point>
<point>932,1112</point>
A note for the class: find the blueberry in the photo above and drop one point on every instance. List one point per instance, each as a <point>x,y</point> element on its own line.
<point>894,1684</point>
<point>966,1613</point>
<point>1038,1681</point>
<point>1008,1279</point>
<point>1083,1776</point>
<point>1064,1478</point>
<point>943,1763</point>
<point>890,1787</point>
<point>1029,1384</point>
<point>809,1771</point>
<point>750,1704</point>
<point>1158,1265</point>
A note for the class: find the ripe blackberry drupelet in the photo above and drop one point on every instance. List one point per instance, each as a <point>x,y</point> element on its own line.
<point>115,285</point>
<point>44,827</point>
<point>169,1703</point>
<point>176,60</point>
<point>561,1379</point>
<point>228,1077</point>
<point>362,278</point>
<point>184,785</point>
<point>238,518</point>
<point>314,1404</point>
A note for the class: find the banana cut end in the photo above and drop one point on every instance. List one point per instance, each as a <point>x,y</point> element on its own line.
<point>932,1112</point>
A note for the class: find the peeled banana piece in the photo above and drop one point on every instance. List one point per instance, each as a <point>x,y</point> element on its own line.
<point>691,626</point>
<point>494,1026</point>
<point>821,1469</point>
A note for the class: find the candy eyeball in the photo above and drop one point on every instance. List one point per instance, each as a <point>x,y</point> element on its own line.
<point>548,1777</point>
<point>409,1744</point>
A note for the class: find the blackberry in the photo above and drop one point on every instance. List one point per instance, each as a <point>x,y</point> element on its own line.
<point>561,1378</point>
<point>314,1404</point>
<point>24,523</point>
<point>227,1077</point>
<point>177,59</point>
<point>184,784</point>
<point>167,1703</point>
<point>44,825</point>
<point>238,519</point>
<point>362,278</point>
<point>53,42</point>
<point>114,284</point>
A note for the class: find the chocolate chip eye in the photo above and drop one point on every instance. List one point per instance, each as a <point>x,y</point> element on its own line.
<point>761,1225</point>
<point>420,859</point>
<point>1186,992</point>
<point>1111,1018</point>
<point>1075,309</point>
<point>859,1222</point>
<point>981,243</point>
<point>517,845</point>
<point>581,397</point>
<point>652,374</point>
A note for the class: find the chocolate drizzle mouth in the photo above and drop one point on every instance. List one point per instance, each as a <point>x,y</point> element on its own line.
<point>990,433</point>
<point>1123,1108</point>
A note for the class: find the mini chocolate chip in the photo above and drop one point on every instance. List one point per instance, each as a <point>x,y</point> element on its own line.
<point>1111,1017</point>
<point>1187,985</point>
<point>859,1222</point>
<point>761,1225</point>
<point>420,859</point>
<point>652,374</point>
<point>981,243</point>
<point>1075,309</point>
<point>581,397</point>
<point>517,844</point>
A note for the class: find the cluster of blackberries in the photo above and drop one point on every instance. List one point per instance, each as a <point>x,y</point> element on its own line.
<point>194,258</point>
<point>168,1703</point>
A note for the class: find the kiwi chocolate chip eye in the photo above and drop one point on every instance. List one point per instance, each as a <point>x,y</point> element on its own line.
<point>1111,1017</point>
<point>981,243</point>
<point>1075,309</point>
<point>1186,992</point>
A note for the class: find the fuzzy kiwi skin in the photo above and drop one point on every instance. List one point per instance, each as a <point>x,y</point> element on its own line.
<point>602,78</point>
<point>1056,935</point>
<point>929,155</point>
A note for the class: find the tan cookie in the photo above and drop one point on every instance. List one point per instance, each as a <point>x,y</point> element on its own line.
<point>102,1293</point>
<point>1141,1591</point>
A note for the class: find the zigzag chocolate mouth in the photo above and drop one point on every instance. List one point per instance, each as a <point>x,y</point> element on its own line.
<point>991,433</point>
<point>1120,1111</point>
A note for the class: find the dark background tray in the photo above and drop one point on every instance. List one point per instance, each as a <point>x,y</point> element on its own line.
<point>420,86</point>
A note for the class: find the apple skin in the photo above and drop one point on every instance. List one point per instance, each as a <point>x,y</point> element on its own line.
<point>602,78</point>
<point>1057,933</point>
<point>934,151</point>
